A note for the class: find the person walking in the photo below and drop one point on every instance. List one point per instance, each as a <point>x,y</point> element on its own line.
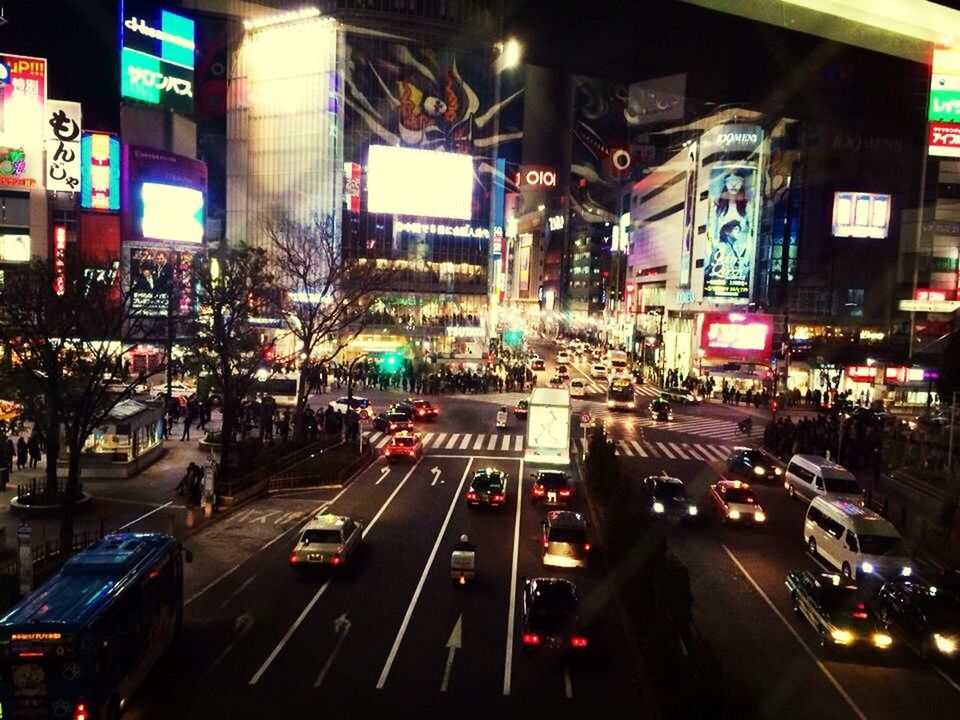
<point>21,453</point>
<point>7,453</point>
<point>191,417</point>
<point>33,448</point>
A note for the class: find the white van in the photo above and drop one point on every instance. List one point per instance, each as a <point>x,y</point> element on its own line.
<point>578,388</point>
<point>855,540</point>
<point>810,476</point>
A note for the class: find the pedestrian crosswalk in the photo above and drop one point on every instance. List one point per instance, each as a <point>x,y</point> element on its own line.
<point>467,442</point>
<point>702,452</point>
<point>648,390</point>
<point>708,427</point>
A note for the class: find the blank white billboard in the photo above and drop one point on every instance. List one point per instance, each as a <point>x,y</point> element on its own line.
<point>423,183</point>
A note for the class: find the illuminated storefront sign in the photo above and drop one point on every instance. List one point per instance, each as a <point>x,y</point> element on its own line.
<point>943,135</point>
<point>163,196</point>
<point>556,222</point>
<point>59,259</point>
<point>23,94</point>
<point>862,373</point>
<point>100,172</point>
<point>928,295</point>
<point>861,215</point>
<point>14,248</point>
<point>434,229</point>
<point>63,146</point>
<point>157,56</point>
<point>732,138</point>
<point>535,177</point>
<point>934,306</point>
<point>943,140</point>
<point>737,336</point>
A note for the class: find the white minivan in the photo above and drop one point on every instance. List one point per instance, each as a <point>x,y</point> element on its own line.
<point>578,388</point>
<point>854,540</point>
<point>810,476</point>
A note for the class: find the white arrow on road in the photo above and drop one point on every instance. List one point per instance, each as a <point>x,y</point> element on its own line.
<point>341,626</point>
<point>242,625</point>
<point>453,644</point>
<point>436,475</point>
<point>384,471</point>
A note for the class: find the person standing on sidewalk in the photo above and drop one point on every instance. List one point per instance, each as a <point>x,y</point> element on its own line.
<point>191,417</point>
<point>21,453</point>
<point>7,453</point>
<point>33,448</point>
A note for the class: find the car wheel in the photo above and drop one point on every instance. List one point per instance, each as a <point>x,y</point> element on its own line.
<point>795,602</point>
<point>846,572</point>
<point>812,546</point>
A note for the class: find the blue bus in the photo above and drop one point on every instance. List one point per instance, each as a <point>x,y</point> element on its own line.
<point>80,644</point>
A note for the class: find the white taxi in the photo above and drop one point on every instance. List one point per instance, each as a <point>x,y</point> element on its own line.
<point>735,501</point>
<point>327,540</point>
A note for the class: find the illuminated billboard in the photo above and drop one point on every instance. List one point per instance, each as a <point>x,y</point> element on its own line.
<point>731,240</point>
<point>163,196</point>
<point>100,171</point>
<point>156,56</point>
<point>421,183</point>
<point>23,94</point>
<point>14,247</point>
<point>737,336</point>
<point>160,277</point>
<point>63,121</point>
<point>861,215</point>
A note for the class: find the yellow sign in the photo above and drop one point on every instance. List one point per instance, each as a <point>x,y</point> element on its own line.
<point>34,637</point>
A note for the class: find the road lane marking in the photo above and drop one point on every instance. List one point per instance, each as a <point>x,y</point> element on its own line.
<point>786,623</point>
<point>423,579</point>
<point>382,441</point>
<point>236,592</point>
<point>624,448</point>
<point>466,441</point>
<point>664,450</point>
<point>146,515</point>
<point>242,625</point>
<point>567,683</point>
<point>478,445</point>
<point>639,448</point>
<point>492,445</point>
<point>341,623</point>
<point>511,613</point>
<point>518,443</point>
<point>263,547</point>
<point>453,441</point>
<point>323,588</point>
<point>505,444</point>
<point>499,458</point>
<point>426,438</point>
<point>693,452</point>
<point>678,451</point>
<point>440,438</point>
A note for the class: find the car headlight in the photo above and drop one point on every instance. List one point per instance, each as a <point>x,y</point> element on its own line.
<point>867,567</point>
<point>907,571</point>
<point>631,404</point>
<point>882,640</point>
<point>760,516</point>
<point>759,471</point>
<point>777,471</point>
<point>948,646</point>
<point>843,637</point>
<point>658,507</point>
<point>734,514</point>
<point>692,510</point>
<point>610,404</point>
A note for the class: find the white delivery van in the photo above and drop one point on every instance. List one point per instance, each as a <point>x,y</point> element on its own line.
<point>854,540</point>
<point>548,427</point>
<point>617,364</point>
<point>578,387</point>
<point>810,476</point>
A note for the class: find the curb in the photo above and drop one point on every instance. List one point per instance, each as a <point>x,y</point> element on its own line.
<point>633,646</point>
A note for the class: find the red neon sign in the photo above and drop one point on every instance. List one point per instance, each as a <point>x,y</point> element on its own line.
<point>737,336</point>
<point>59,259</point>
<point>928,295</point>
<point>862,373</point>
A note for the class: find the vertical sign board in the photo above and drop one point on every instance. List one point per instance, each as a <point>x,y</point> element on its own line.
<point>23,94</point>
<point>943,114</point>
<point>689,207</point>
<point>59,258</point>
<point>63,146</point>
<point>156,56</point>
<point>100,172</point>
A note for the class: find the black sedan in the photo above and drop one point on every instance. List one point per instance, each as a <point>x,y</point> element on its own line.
<point>550,616</point>
<point>926,615</point>
<point>521,409</point>
<point>550,487</point>
<point>837,610</point>
<point>660,410</point>
<point>393,421</point>
<point>488,487</point>
<point>754,465</point>
<point>417,409</point>
<point>666,497</point>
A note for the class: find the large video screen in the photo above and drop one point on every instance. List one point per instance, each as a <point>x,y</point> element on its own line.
<point>861,215</point>
<point>172,212</point>
<point>737,336</point>
<point>421,183</point>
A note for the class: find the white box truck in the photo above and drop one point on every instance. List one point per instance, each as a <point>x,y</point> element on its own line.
<point>548,427</point>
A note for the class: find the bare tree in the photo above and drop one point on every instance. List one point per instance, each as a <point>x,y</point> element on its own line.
<point>67,335</point>
<point>325,295</point>
<point>234,287</point>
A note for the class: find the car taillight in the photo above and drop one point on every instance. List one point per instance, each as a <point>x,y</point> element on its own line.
<point>471,496</point>
<point>531,639</point>
<point>335,560</point>
<point>393,426</point>
<point>293,559</point>
<point>421,412</point>
<point>546,544</point>
<point>80,713</point>
<point>861,612</point>
<point>578,641</point>
<point>499,498</point>
<point>564,493</point>
<point>586,546</point>
<point>538,490</point>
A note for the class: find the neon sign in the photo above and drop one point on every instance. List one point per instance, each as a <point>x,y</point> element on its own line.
<point>100,172</point>
<point>157,56</point>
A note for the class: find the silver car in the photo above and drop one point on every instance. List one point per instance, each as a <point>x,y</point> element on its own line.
<point>565,542</point>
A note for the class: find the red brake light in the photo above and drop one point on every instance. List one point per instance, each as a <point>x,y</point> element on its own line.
<point>421,412</point>
<point>564,493</point>
<point>32,653</point>
<point>586,546</point>
<point>293,559</point>
<point>499,498</point>
<point>471,496</point>
<point>546,544</point>
<point>81,712</point>
<point>578,642</point>
<point>538,490</point>
<point>335,560</point>
<point>531,639</point>
<point>861,611</point>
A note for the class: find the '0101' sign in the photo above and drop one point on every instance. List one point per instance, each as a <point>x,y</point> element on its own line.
<point>536,177</point>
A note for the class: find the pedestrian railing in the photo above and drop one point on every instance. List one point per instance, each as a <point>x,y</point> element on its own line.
<point>39,492</point>
<point>294,480</point>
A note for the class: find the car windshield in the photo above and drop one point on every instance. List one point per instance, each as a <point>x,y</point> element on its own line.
<point>567,535</point>
<point>552,481</point>
<point>842,485</point>
<point>670,490</point>
<point>405,441</point>
<point>739,495</point>
<point>756,457</point>
<point>485,483</point>
<point>882,545</point>
<point>313,537</point>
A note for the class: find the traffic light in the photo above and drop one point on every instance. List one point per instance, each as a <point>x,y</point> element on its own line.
<point>391,362</point>
<point>512,337</point>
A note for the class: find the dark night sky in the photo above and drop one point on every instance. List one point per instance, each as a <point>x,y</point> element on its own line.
<point>728,59</point>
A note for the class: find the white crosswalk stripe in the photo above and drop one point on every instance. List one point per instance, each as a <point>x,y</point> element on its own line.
<point>466,441</point>
<point>453,441</point>
<point>699,452</point>
<point>492,445</point>
<point>382,441</point>
<point>623,448</point>
<point>639,448</point>
<point>478,445</point>
<point>505,445</point>
<point>707,427</point>
<point>663,449</point>
<point>648,390</point>
<point>678,451</point>
<point>518,443</point>
<point>440,438</point>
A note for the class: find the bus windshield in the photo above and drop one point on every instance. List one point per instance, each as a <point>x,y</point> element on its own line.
<point>620,391</point>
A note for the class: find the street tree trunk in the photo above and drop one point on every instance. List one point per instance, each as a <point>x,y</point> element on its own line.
<point>303,394</point>
<point>226,440</point>
<point>53,453</point>
<point>69,498</point>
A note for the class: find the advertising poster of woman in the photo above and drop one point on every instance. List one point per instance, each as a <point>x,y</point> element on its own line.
<point>731,233</point>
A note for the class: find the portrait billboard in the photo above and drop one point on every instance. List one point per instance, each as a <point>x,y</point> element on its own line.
<point>160,277</point>
<point>156,56</point>
<point>62,142</point>
<point>731,240</point>
<point>523,262</point>
<point>23,94</point>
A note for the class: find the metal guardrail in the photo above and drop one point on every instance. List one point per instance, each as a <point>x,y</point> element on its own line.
<point>233,487</point>
<point>291,481</point>
<point>37,492</point>
<point>47,556</point>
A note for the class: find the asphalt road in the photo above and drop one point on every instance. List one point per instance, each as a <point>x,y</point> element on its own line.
<point>372,638</point>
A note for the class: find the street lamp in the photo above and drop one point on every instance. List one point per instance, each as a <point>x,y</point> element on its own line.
<point>511,52</point>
